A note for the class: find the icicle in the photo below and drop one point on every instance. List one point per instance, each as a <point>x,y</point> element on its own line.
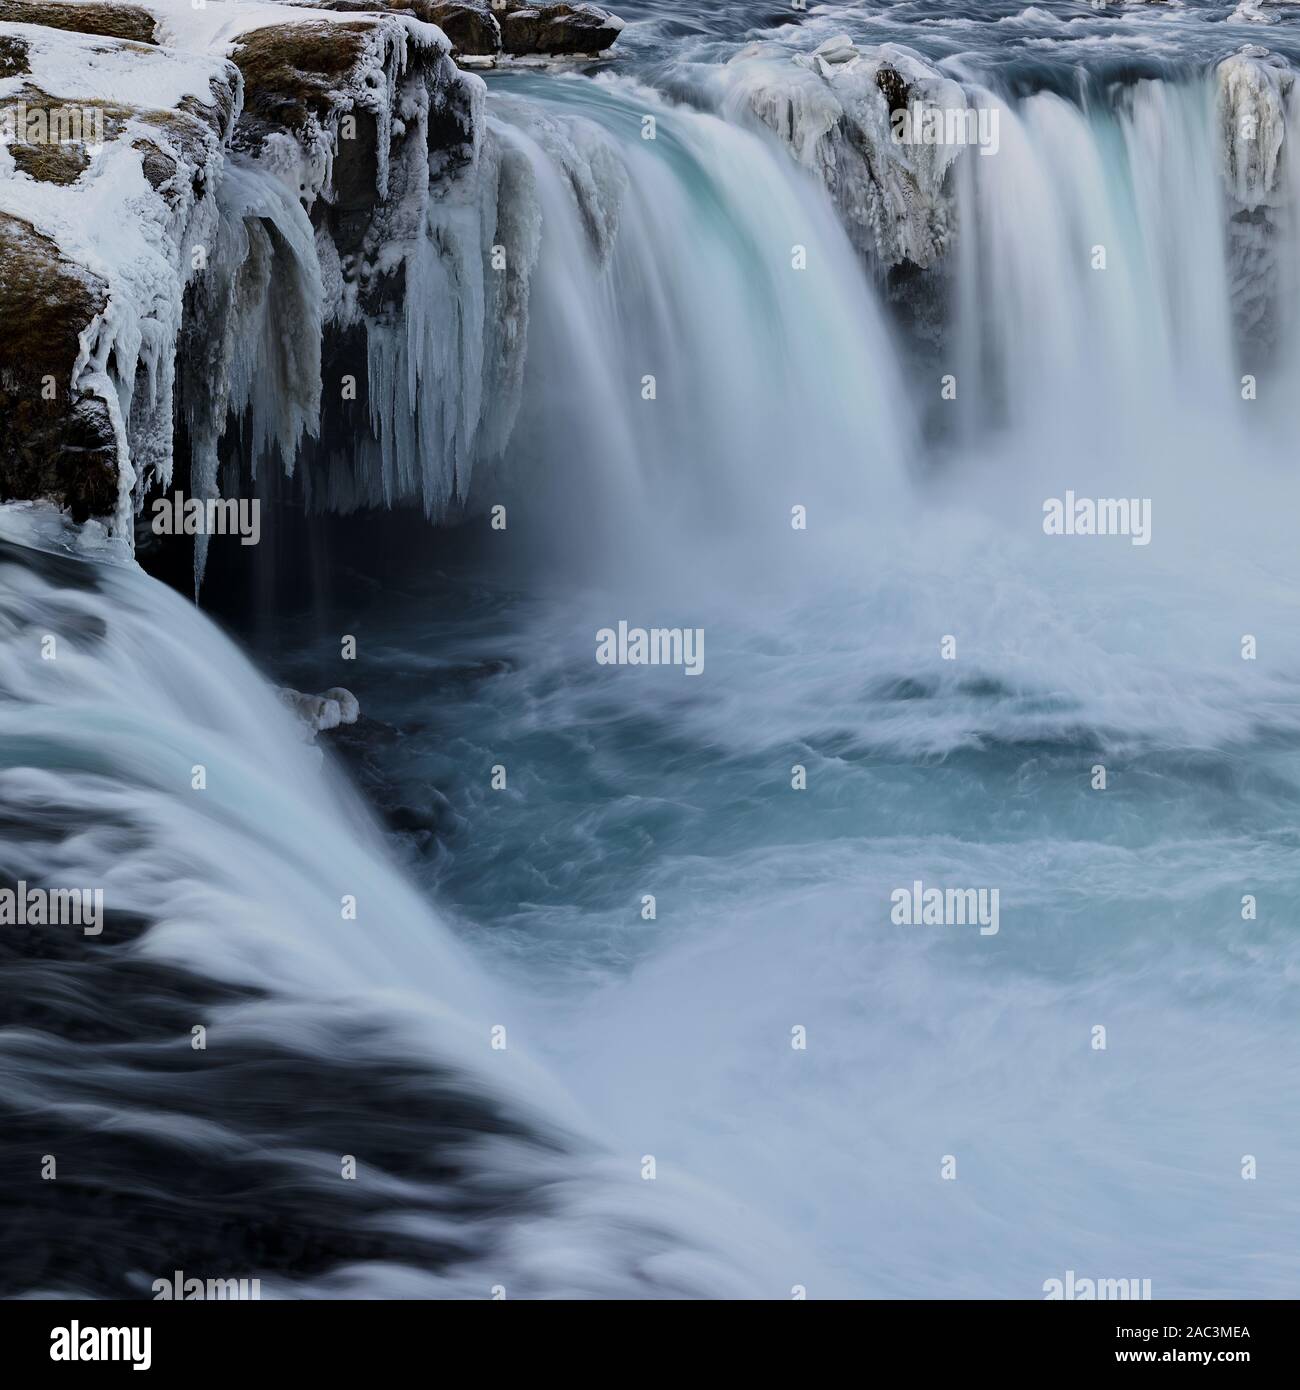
<point>257,336</point>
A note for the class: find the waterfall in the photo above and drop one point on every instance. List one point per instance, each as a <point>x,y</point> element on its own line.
<point>245,890</point>
<point>1093,282</point>
<point>656,335</point>
<point>697,285</point>
<point>698,306</point>
<point>690,295</point>
<point>1107,376</point>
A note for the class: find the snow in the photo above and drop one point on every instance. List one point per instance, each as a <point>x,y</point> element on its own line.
<point>112,222</point>
<point>320,713</point>
<point>233,229</point>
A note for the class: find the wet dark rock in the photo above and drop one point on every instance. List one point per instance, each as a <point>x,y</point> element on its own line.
<point>484,29</point>
<point>472,28</point>
<point>53,443</point>
<point>894,89</point>
<point>564,29</point>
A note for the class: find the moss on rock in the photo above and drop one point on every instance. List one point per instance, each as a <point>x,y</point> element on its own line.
<point>294,71</point>
<point>62,164</point>
<point>13,56</point>
<point>109,21</point>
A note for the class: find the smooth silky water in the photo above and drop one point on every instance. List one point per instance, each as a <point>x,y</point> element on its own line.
<point>1120,907</point>
<point>777,389</point>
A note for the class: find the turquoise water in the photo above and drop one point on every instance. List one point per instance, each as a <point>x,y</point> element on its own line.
<point>920,685</point>
<point>1121,908</point>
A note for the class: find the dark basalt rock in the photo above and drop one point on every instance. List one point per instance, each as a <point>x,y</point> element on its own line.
<point>577,29</point>
<point>470,25</point>
<point>159,167</point>
<point>893,88</point>
<point>472,28</point>
<point>488,28</point>
<point>61,448</point>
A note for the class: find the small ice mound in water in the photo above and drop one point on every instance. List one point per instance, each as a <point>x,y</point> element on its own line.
<point>1252,12</point>
<point>317,713</point>
<point>349,706</point>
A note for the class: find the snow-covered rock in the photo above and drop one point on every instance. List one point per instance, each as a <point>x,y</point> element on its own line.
<point>1255,87</point>
<point>110,156</point>
<point>349,707</point>
<point>273,251</point>
<point>57,444</point>
<point>1261,11</point>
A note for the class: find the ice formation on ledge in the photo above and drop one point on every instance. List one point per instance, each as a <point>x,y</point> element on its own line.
<point>1255,89</point>
<point>147,192</point>
<point>305,244</point>
<point>331,271</point>
<point>833,108</point>
<point>326,226</point>
<point>1257,98</point>
<point>208,202</point>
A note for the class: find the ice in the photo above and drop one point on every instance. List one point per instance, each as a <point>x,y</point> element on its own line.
<point>829,108</point>
<point>1256,97</point>
<point>113,222</point>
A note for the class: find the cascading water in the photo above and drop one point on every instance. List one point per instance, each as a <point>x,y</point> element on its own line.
<point>1101,299</point>
<point>252,901</point>
<point>1120,909</point>
<point>694,299</point>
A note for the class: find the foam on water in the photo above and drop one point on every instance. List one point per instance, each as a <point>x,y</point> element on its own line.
<point>1121,908</point>
<point>778,387</point>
